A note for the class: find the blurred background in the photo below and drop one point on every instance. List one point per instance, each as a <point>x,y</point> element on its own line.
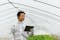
<point>44,15</point>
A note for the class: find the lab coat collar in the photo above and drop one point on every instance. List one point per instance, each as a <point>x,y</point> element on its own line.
<point>20,22</point>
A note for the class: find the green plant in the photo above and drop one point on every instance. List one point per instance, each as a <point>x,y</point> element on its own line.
<point>41,37</point>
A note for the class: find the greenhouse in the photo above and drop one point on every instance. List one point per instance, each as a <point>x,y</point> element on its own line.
<point>44,15</point>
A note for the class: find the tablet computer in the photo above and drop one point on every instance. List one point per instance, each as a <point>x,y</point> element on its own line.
<point>28,28</point>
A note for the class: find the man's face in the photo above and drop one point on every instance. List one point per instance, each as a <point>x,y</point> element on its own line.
<point>21,17</point>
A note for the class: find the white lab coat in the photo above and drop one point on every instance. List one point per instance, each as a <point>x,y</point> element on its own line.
<point>18,33</point>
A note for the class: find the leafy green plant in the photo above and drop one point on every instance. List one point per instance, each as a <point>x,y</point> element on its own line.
<point>41,37</point>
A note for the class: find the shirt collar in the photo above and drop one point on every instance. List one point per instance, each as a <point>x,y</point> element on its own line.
<point>20,22</point>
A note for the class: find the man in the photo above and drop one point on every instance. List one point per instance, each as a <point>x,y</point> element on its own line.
<point>18,29</point>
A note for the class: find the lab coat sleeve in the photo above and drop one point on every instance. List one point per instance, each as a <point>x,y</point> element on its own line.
<point>31,32</point>
<point>26,35</point>
<point>11,34</point>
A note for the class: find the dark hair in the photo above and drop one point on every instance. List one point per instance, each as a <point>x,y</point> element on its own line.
<point>20,12</point>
